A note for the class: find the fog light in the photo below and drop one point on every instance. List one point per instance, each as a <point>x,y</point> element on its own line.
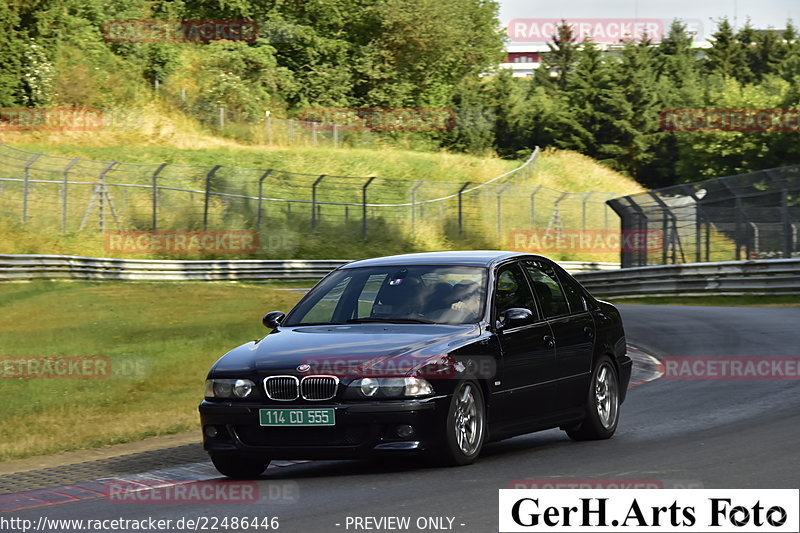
<point>211,432</point>
<point>404,431</point>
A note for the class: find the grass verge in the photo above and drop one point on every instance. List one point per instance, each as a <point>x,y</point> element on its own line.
<point>176,330</point>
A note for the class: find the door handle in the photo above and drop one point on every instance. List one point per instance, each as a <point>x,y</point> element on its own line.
<point>588,331</point>
<point>549,341</point>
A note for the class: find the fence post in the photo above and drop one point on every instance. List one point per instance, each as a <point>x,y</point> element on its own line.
<point>314,202</point>
<point>738,239</point>
<point>533,205</point>
<point>583,209</point>
<point>221,118</point>
<point>154,223</point>
<point>364,207</point>
<point>261,195</point>
<point>788,245</point>
<point>414,203</point>
<point>499,207</point>
<point>335,136</point>
<point>314,133</point>
<point>209,177</point>
<point>103,194</point>
<point>268,127</point>
<point>64,194</point>
<point>460,208</point>
<point>25,187</point>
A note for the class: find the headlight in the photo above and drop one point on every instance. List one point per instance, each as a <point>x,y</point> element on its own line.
<point>388,388</point>
<point>229,388</point>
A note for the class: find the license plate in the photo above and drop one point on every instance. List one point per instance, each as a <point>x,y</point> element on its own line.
<point>297,417</point>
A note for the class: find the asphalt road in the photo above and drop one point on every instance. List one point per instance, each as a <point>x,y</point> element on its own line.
<point>710,434</point>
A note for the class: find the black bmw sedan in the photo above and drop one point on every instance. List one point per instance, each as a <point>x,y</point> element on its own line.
<point>432,353</point>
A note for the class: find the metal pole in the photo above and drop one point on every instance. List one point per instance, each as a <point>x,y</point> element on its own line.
<point>460,205</point>
<point>221,118</point>
<point>787,225</point>
<point>154,223</point>
<point>25,187</point>
<point>533,205</point>
<point>314,202</point>
<point>364,207</point>
<point>268,127</point>
<point>335,136</point>
<point>64,194</point>
<point>738,239</point>
<point>414,203</point>
<point>103,193</point>
<point>314,133</point>
<point>209,176</point>
<point>499,208</point>
<point>583,209</point>
<point>261,194</point>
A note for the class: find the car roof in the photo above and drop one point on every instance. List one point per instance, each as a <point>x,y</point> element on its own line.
<point>482,258</point>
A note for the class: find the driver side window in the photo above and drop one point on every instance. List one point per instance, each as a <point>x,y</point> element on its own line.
<point>511,290</point>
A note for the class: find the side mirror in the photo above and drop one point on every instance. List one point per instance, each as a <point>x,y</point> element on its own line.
<point>516,316</point>
<point>273,319</point>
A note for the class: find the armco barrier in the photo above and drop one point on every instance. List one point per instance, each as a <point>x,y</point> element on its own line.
<point>762,277</point>
<point>30,267</point>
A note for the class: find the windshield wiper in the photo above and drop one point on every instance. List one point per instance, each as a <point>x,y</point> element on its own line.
<point>387,320</point>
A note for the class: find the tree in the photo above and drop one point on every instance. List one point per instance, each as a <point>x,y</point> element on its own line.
<point>727,53</point>
<point>420,50</point>
<point>634,111</point>
<point>557,64</point>
<point>588,92</point>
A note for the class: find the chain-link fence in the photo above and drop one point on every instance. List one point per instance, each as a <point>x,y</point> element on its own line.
<point>70,195</point>
<point>747,216</point>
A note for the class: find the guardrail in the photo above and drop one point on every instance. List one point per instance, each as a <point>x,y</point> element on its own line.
<point>762,277</point>
<point>31,267</point>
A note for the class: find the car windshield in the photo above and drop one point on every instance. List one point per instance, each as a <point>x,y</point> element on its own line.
<point>395,294</point>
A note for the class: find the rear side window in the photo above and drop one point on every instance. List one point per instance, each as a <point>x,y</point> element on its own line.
<point>577,303</point>
<point>547,288</point>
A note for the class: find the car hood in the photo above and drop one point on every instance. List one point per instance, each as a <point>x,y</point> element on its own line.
<point>346,350</point>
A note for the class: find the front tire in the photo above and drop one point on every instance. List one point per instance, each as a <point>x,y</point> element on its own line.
<point>239,466</point>
<point>465,429</point>
<point>602,404</point>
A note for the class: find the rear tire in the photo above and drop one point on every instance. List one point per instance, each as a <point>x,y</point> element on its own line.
<point>465,429</point>
<point>239,466</point>
<point>602,404</point>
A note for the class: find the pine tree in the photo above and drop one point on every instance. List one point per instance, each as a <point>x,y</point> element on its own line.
<point>727,53</point>
<point>634,108</point>
<point>557,64</point>
<point>587,94</point>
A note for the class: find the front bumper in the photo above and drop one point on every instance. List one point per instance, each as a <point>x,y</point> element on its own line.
<point>362,429</point>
